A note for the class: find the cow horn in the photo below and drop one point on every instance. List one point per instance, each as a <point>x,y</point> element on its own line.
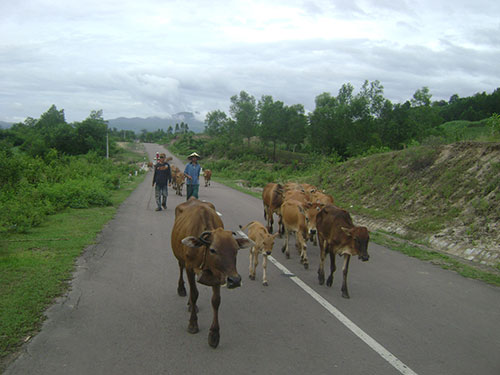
<point>205,237</point>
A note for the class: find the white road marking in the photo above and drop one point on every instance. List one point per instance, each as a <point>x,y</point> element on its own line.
<point>383,352</point>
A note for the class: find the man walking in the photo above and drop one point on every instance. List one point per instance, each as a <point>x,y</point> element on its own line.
<point>192,174</point>
<point>162,177</point>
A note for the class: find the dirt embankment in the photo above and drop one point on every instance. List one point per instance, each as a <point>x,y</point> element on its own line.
<point>446,195</point>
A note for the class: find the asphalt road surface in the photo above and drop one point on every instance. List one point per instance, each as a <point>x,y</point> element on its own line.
<point>123,315</point>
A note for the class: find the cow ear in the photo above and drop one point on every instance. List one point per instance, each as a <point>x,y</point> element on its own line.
<point>347,231</point>
<point>276,234</point>
<point>244,243</point>
<point>192,242</point>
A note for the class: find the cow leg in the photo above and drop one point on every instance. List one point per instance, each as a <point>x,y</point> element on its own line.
<point>264,267</point>
<point>193,297</point>
<point>213,335</point>
<point>181,290</point>
<point>253,264</point>
<point>345,269</point>
<point>270,221</point>
<point>322,257</point>
<point>333,267</point>
<point>281,226</point>
<point>285,248</point>
<point>303,250</point>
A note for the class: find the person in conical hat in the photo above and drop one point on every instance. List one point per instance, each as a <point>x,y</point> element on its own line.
<point>192,174</point>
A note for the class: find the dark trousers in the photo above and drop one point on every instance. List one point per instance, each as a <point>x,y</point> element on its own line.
<point>192,191</point>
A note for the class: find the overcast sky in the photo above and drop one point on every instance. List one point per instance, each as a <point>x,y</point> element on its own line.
<point>158,57</point>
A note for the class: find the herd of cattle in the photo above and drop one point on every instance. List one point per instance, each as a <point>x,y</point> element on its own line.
<point>208,252</point>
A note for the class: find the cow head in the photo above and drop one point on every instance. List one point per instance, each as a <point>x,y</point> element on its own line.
<point>312,210</point>
<point>359,238</point>
<point>268,243</point>
<point>218,264</point>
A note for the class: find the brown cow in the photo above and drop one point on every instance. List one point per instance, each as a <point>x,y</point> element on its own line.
<point>179,183</point>
<point>321,197</point>
<point>338,235</point>
<point>264,243</point>
<point>207,173</point>
<point>204,248</point>
<point>295,221</point>
<point>272,197</point>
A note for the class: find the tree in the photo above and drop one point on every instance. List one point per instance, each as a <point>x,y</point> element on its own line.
<point>215,123</point>
<point>91,134</point>
<point>422,97</point>
<point>272,120</point>
<point>295,125</point>
<point>244,112</point>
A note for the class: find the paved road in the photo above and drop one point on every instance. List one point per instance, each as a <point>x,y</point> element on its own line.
<point>123,315</point>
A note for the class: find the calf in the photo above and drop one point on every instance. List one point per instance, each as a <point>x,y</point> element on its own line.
<point>207,252</point>
<point>207,174</point>
<point>338,235</point>
<point>264,243</point>
<point>295,221</point>
<point>179,183</point>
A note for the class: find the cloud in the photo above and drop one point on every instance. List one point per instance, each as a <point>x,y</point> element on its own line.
<point>157,58</point>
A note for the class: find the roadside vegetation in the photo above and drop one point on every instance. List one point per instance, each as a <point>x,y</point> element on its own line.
<point>54,204</point>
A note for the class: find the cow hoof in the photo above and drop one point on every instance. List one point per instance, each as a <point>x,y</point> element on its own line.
<point>345,295</point>
<point>306,265</point>
<point>213,339</point>
<point>265,283</point>
<point>252,277</point>
<point>193,328</point>
<point>283,249</point>
<point>287,256</point>
<point>329,282</point>
<point>181,292</point>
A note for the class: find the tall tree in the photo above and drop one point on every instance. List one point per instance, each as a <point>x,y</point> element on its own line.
<point>272,120</point>
<point>295,126</point>
<point>421,97</point>
<point>244,112</point>
<point>215,123</point>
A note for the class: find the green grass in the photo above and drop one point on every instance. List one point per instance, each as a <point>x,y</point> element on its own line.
<point>36,267</point>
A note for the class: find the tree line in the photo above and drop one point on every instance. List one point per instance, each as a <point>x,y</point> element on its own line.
<point>347,124</point>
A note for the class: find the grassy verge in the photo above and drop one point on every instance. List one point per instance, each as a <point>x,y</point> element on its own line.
<point>36,267</point>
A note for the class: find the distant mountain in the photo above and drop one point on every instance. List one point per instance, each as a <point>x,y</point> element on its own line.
<point>154,123</point>
<point>5,125</point>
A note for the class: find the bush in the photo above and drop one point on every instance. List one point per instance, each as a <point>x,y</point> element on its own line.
<point>35,187</point>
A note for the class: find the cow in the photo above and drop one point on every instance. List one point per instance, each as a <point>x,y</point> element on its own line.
<point>295,221</point>
<point>179,183</point>
<point>264,243</point>
<point>312,210</point>
<point>207,174</point>
<point>297,195</point>
<point>207,252</point>
<point>272,197</point>
<point>321,197</point>
<point>338,235</point>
